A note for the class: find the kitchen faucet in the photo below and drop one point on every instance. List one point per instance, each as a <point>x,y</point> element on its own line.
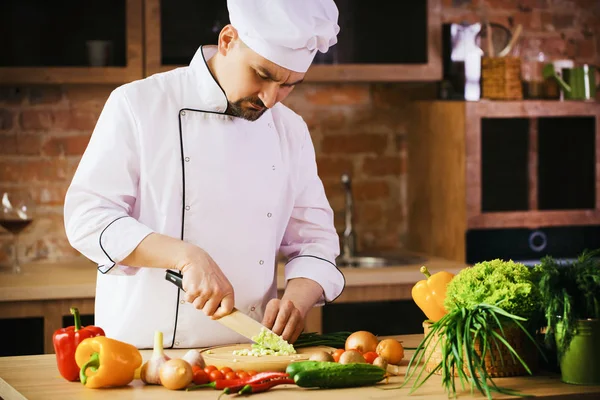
<point>349,238</point>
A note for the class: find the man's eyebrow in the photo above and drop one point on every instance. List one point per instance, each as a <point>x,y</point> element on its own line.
<point>266,73</point>
<point>299,81</point>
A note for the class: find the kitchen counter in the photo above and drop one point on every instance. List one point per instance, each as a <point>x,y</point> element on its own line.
<point>49,289</point>
<point>37,377</point>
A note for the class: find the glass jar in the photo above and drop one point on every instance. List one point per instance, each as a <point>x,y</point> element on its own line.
<point>532,63</point>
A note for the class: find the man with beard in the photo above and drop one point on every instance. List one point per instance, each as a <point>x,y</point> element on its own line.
<point>202,170</point>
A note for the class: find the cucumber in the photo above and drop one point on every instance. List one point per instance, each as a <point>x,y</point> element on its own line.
<point>295,367</point>
<point>339,376</point>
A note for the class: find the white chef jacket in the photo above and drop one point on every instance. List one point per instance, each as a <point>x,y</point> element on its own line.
<point>164,158</point>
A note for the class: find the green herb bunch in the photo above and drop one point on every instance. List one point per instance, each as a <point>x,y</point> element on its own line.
<point>569,291</point>
<point>334,339</point>
<point>460,330</point>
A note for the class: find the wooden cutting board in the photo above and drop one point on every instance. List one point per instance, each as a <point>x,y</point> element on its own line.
<point>222,356</point>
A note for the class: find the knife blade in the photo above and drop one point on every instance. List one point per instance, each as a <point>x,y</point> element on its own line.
<point>236,321</point>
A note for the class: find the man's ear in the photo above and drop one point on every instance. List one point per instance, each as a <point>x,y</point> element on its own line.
<point>227,39</point>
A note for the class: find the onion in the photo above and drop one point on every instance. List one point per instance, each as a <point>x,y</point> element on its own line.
<point>176,374</point>
<point>150,370</point>
<point>193,357</point>
<point>362,341</point>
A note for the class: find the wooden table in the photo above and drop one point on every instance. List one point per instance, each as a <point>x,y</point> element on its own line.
<point>37,377</point>
<point>48,290</point>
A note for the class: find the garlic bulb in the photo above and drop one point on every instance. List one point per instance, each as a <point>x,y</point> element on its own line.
<point>193,357</point>
<point>150,373</point>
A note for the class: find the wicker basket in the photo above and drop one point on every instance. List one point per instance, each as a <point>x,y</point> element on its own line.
<point>501,78</point>
<point>513,335</point>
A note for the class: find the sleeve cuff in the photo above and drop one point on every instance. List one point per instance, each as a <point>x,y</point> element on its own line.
<point>119,239</point>
<point>320,270</point>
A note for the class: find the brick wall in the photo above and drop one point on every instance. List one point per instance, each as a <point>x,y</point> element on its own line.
<point>357,128</point>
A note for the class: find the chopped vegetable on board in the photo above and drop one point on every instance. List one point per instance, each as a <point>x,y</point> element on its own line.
<point>267,344</point>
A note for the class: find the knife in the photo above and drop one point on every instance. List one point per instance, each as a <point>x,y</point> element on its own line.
<point>236,321</point>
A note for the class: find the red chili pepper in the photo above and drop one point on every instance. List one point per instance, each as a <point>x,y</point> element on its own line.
<point>264,386</point>
<point>239,383</point>
<point>65,342</point>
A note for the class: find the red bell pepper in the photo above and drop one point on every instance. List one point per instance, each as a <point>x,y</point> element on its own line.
<point>66,341</point>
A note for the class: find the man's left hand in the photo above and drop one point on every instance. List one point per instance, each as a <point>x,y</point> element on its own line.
<point>284,319</point>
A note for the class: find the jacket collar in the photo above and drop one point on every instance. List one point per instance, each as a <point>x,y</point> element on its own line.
<point>212,95</point>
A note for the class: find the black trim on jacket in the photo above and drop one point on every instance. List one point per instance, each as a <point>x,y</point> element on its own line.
<point>102,247</point>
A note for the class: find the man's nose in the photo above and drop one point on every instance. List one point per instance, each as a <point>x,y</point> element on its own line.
<point>269,95</point>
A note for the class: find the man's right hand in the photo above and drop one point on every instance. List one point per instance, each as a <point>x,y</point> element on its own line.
<point>205,285</point>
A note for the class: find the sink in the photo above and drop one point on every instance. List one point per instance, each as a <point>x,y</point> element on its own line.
<point>375,261</point>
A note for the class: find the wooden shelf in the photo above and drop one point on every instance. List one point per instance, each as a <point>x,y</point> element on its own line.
<point>531,108</point>
<point>374,73</point>
<point>86,74</point>
<point>59,75</point>
<point>533,219</point>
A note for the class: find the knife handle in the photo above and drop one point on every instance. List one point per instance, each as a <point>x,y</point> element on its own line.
<point>176,278</point>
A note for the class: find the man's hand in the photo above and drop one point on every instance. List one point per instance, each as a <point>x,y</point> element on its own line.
<point>284,319</point>
<point>205,285</point>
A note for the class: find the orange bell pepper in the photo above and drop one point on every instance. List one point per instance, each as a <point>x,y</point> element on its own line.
<point>106,362</point>
<point>430,294</point>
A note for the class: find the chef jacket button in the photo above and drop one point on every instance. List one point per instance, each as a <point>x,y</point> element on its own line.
<point>261,262</point>
<point>273,168</point>
<point>252,308</point>
<point>182,113</point>
<point>269,215</point>
<point>176,343</point>
<point>187,208</point>
<point>187,159</point>
<point>270,125</point>
<point>182,302</point>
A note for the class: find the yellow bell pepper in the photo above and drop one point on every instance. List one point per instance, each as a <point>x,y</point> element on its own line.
<point>430,294</point>
<point>106,362</point>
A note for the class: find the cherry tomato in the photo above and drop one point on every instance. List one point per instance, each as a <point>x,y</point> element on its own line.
<point>200,377</point>
<point>251,372</point>
<point>196,368</point>
<point>337,354</point>
<point>230,375</point>
<point>242,374</point>
<point>370,356</point>
<point>210,368</point>
<point>216,374</point>
<point>225,370</point>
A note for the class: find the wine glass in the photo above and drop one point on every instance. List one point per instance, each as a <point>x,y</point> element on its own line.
<point>17,214</point>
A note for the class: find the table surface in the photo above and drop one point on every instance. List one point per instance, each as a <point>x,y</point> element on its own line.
<point>76,279</point>
<point>37,377</point>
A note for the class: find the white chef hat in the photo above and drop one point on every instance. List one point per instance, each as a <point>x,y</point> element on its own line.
<point>286,32</point>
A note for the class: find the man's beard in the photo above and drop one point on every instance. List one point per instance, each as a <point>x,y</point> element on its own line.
<point>245,111</point>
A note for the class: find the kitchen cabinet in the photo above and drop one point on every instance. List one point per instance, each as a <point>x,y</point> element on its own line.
<point>512,179</point>
<point>378,40</point>
<point>46,42</point>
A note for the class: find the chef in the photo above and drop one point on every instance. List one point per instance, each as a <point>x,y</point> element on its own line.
<point>202,170</point>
